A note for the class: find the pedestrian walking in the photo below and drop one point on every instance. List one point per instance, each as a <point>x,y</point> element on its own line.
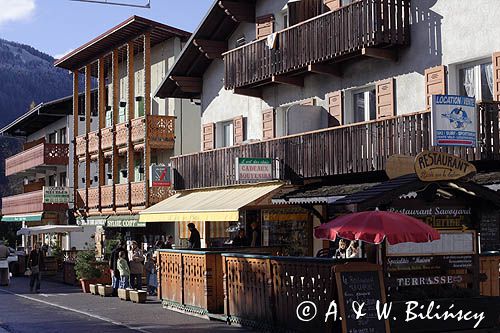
<point>136,261</point>
<point>194,237</point>
<point>115,273</point>
<point>35,264</point>
<point>124,269</point>
<point>4,264</point>
<point>151,277</point>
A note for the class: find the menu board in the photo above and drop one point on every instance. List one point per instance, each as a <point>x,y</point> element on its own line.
<point>490,232</point>
<point>361,283</point>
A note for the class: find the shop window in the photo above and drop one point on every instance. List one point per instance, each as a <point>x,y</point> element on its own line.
<point>225,134</point>
<point>360,105</point>
<point>476,80</point>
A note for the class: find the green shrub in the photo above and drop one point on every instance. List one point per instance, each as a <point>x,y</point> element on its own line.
<point>86,266</point>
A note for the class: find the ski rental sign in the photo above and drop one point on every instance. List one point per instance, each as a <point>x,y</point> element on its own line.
<point>454,121</point>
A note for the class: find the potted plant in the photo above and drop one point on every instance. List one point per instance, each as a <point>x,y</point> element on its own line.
<point>86,269</point>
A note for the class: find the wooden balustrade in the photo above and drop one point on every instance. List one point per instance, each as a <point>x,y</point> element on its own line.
<point>490,267</point>
<point>81,146</point>
<point>107,200</point>
<point>161,131</point>
<point>93,139</point>
<point>138,129</point>
<point>158,194</point>
<point>45,154</point>
<point>31,202</point>
<point>82,198</point>
<point>332,36</point>
<point>107,138</point>
<point>121,195</point>
<point>121,134</point>
<point>357,148</point>
<point>137,194</point>
<point>93,198</point>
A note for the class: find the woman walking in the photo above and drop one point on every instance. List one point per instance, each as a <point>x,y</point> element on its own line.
<point>35,264</point>
<point>124,270</point>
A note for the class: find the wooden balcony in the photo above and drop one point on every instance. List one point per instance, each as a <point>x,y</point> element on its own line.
<point>121,195</point>
<point>121,134</point>
<point>107,196</point>
<point>107,138</point>
<point>160,131</point>
<point>27,203</point>
<point>93,138</point>
<point>357,148</point>
<point>365,27</point>
<point>38,157</point>
<point>137,194</point>
<point>81,146</point>
<point>93,198</point>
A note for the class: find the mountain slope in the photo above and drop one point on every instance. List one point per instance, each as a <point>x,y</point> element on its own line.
<point>28,75</point>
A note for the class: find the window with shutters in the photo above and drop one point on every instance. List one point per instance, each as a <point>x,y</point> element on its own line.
<point>360,105</point>
<point>475,79</point>
<point>224,134</point>
<point>264,26</point>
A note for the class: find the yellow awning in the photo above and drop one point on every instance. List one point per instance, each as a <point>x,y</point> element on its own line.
<point>222,204</point>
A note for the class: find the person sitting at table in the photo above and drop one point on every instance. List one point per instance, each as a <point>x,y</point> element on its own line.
<point>353,251</point>
<point>341,252</point>
<point>241,239</point>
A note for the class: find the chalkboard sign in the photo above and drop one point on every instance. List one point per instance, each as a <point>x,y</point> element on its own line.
<point>361,283</point>
<point>490,232</point>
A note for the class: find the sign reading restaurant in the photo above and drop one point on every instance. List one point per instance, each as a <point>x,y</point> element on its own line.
<point>435,166</point>
<point>254,169</point>
<point>454,121</point>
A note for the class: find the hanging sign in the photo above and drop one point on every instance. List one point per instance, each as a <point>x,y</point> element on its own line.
<point>254,169</point>
<point>55,195</point>
<point>435,166</point>
<point>160,176</point>
<point>454,121</point>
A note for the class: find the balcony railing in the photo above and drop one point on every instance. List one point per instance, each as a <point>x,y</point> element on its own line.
<point>121,195</point>
<point>107,196</point>
<point>26,203</point>
<point>93,138</point>
<point>45,154</point>
<point>356,148</point>
<point>160,129</point>
<point>81,146</point>
<point>107,138</point>
<point>330,37</point>
<point>137,194</point>
<point>93,198</point>
<point>121,134</point>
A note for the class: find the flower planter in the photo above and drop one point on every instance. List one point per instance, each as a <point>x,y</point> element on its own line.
<point>105,291</point>
<point>94,289</point>
<point>124,294</point>
<point>85,283</point>
<point>138,296</point>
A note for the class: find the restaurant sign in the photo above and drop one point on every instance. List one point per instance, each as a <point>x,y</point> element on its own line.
<point>56,195</point>
<point>125,223</point>
<point>436,166</point>
<point>438,217</point>
<point>454,121</point>
<point>429,280</point>
<point>254,169</point>
<point>412,263</point>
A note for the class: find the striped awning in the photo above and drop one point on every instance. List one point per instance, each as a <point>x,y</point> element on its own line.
<point>220,204</point>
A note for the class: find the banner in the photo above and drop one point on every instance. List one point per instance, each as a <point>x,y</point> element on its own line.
<point>454,121</point>
<point>56,195</point>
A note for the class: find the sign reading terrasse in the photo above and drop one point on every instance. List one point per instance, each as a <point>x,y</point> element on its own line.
<point>454,121</point>
<point>435,166</point>
<point>55,195</point>
<point>254,169</point>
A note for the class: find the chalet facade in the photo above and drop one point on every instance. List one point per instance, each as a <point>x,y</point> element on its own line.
<point>133,130</point>
<point>331,89</point>
<point>44,166</point>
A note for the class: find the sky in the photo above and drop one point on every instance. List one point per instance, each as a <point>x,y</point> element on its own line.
<point>56,27</point>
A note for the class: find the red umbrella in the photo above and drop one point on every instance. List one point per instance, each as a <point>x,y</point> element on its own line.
<point>374,226</point>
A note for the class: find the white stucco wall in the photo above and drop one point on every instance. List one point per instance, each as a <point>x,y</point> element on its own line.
<point>445,32</point>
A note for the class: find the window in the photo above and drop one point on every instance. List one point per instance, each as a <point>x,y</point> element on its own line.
<point>361,105</point>
<point>52,137</point>
<point>476,80</point>
<point>225,134</point>
<point>62,136</point>
<point>240,41</point>
<point>52,180</point>
<point>63,179</point>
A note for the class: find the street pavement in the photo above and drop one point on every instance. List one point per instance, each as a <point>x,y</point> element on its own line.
<point>61,308</point>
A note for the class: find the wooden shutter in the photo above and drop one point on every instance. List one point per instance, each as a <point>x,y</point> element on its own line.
<point>208,136</point>
<point>300,11</point>
<point>268,124</point>
<point>496,76</point>
<point>334,100</point>
<point>385,98</point>
<point>435,83</point>
<point>308,102</point>
<point>264,25</point>
<point>332,4</point>
<point>239,130</point>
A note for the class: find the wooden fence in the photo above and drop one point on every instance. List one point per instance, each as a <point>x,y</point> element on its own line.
<point>490,266</point>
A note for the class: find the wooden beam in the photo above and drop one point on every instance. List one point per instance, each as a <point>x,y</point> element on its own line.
<point>147,73</point>
<point>211,48</point>
<point>75,134</point>
<point>253,92</point>
<point>116,100</point>
<point>332,70</point>
<point>88,117</point>
<point>384,54</point>
<point>131,109</point>
<point>290,80</point>
<point>101,92</point>
<point>239,11</point>
<point>188,84</point>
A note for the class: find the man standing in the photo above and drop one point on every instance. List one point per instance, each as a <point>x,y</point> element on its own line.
<point>35,264</point>
<point>169,243</point>
<point>4,264</point>
<point>194,238</point>
<point>136,260</point>
<point>115,273</point>
<point>255,236</point>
